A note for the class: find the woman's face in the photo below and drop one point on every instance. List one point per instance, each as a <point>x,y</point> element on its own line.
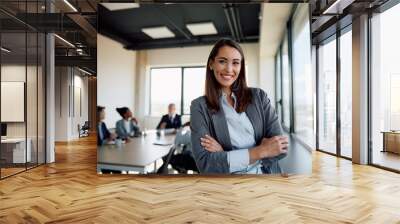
<point>226,66</point>
<point>128,114</point>
<point>102,115</point>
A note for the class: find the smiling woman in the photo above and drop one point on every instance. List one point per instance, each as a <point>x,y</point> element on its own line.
<point>234,127</point>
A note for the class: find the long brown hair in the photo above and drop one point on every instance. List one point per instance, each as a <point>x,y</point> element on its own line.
<point>239,87</point>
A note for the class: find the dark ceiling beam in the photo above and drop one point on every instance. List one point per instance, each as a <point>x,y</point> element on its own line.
<point>91,5</point>
<point>172,23</point>
<point>76,61</point>
<point>237,17</point>
<point>15,17</point>
<point>184,42</point>
<point>321,23</point>
<point>234,22</point>
<point>230,23</point>
<point>331,29</point>
<point>233,19</point>
<point>49,22</point>
<point>86,26</point>
<point>112,34</point>
<point>337,7</point>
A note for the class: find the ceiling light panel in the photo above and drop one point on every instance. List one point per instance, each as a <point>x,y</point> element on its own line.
<point>199,29</point>
<point>158,32</point>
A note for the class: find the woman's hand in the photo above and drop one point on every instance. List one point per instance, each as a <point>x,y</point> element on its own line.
<point>210,144</point>
<point>269,147</point>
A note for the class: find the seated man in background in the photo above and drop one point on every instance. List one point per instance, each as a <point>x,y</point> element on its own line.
<point>128,126</point>
<point>103,134</point>
<point>170,120</point>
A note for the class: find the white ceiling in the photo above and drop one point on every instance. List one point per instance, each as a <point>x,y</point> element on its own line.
<point>272,26</point>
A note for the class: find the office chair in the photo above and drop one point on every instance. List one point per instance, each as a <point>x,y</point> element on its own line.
<point>84,130</point>
<point>164,168</point>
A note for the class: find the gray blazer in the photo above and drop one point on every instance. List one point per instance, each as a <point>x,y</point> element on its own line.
<point>121,131</point>
<point>261,114</point>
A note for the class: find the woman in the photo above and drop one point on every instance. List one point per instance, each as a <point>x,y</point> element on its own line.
<point>128,126</point>
<point>234,128</point>
<point>103,134</point>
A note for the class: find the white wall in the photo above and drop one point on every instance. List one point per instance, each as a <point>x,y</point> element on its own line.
<point>116,69</point>
<point>272,28</point>
<point>80,83</point>
<point>67,81</point>
<point>61,115</point>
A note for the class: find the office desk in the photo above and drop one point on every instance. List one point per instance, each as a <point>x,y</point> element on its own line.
<point>137,155</point>
<point>13,150</point>
<point>391,141</point>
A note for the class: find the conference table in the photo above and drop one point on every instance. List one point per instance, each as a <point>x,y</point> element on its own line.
<point>140,154</point>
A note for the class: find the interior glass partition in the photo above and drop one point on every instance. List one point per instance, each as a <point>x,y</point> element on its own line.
<point>22,66</point>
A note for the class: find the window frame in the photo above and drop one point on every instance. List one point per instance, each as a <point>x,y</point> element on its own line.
<point>182,68</point>
<point>334,37</point>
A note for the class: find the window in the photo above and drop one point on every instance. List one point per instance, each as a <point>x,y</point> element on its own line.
<point>385,85</point>
<point>165,89</point>
<point>179,85</point>
<point>286,84</point>
<point>327,96</point>
<point>193,85</point>
<point>346,94</point>
<point>303,81</point>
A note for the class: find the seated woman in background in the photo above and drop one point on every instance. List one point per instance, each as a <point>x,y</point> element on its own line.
<point>128,126</point>
<point>235,129</point>
<point>103,134</point>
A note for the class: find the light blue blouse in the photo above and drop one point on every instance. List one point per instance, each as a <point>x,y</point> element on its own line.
<point>241,132</point>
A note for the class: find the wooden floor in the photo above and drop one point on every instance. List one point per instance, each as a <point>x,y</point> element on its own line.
<point>387,159</point>
<point>70,191</point>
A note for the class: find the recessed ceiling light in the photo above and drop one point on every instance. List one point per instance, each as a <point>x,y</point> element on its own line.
<point>5,50</point>
<point>120,6</point>
<point>198,29</point>
<point>64,40</point>
<point>70,5</point>
<point>158,32</point>
<point>84,71</point>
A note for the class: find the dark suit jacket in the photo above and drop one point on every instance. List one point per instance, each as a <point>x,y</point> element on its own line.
<point>104,130</point>
<point>176,123</point>
<point>261,114</point>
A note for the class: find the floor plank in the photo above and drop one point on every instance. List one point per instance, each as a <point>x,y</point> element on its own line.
<point>70,191</point>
